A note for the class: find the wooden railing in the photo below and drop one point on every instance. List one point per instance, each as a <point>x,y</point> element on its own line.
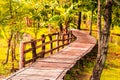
<point>38,47</point>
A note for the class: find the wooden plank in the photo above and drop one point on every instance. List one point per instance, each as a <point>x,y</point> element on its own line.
<point>51,65</point>
<point>38,74</point>
<point>22,57</point>
<point>34,55</point>
<point>75,57</point>
<point>51,44</point>
<point>56,66</point>
<point>57,60</point>
<point>57,42</point>
<point>43,46</point>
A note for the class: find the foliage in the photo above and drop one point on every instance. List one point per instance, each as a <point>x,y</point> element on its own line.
<point>116,14</point>
<point>112,67</point>
<point>36,16</point>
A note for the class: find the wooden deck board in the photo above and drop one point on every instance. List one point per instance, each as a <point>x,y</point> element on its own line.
<point>38,74</point>
<point>55,66</point>
<point>57,60</point>
<point>51,65</point>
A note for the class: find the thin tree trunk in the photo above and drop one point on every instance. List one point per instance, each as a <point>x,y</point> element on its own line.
<point>15,45</point>
<point>12,57</point>
<point>60,26</point>
<point>67,22</point>
<point>91,22</point>
<point>103,43</point>
<point>11,35</point>
<point>8,48</point>
<point>79,21</point>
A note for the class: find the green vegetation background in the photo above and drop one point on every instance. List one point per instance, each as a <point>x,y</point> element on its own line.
<point>48,13</point>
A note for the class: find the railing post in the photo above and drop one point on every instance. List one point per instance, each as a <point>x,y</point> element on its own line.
<point>22,57</point>
<point>51,43</point>
<point>73,37</point>
<point>70,37</point>
<point>43,47</point>
<point>34,55</point>
<point>63,40</point>
<point>57,44</point>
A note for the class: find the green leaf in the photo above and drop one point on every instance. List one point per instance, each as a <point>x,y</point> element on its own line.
<point>55,18</point>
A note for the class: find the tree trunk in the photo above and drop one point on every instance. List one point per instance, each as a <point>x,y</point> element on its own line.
<point>11,35</point>
<point>60,26</point>
<point>12,57</point>
<point>8,48</point>
<point>79,21</point>
<point>103,42</point>
<point>91,22</point>
<point>67,22</point>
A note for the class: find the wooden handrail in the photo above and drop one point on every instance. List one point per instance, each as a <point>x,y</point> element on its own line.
<point>56,65</point>
<point>61,40</point>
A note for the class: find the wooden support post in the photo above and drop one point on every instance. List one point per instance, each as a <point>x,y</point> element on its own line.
<point>63,40</point>
<point>34,55</point>
<point>73,37</point>
<point>43,47</point>
<point>70,37</point>
<point>22,57</point>
<point>57,44</point>
<point>51,43</point>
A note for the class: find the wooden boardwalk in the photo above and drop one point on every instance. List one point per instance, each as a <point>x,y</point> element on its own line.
<point>55,66</point>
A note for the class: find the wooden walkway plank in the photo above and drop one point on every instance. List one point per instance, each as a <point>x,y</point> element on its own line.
<point>56,60</point>
<point>56,66</point>
<point>38,74</point>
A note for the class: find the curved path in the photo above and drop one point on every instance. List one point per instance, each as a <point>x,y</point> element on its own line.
<point>55,66</point>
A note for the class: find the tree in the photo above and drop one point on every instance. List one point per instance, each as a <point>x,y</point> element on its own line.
<point>92,5</point>
<point>104,34</point>
<point>79,20</point>
<point>116,14</point>
<point>11,20</point>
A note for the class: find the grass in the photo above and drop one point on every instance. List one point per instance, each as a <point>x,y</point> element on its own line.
<point>112,68</point>
<point>116,30</point>
<point>112,65</point>
<point>5,70</point>
<point>111,71</point>
<point>79,72</point>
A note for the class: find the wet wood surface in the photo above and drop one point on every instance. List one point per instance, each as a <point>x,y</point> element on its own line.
<point>55,66</point>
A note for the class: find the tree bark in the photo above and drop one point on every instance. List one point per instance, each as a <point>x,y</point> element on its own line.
<point>103,41</point>
<point>60,26</point>
<point>8,48</point>
<point>91,22</point>
<point>67,22</point>
<point>79,21</point>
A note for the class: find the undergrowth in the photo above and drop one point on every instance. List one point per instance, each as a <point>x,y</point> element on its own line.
<point>6,69</point>
<point>82,69</point>
<point>111,70</point>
